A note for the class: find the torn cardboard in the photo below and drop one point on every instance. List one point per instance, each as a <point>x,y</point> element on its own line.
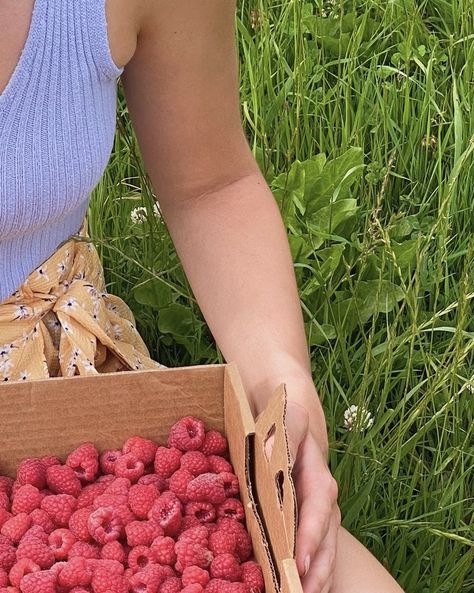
<point>54,416</point>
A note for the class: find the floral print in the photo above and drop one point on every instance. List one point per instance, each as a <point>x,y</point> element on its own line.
<point>62,321</point>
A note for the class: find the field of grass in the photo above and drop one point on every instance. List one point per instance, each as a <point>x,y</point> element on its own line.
<point>361,116</point>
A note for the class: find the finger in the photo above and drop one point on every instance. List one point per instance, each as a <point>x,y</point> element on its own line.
<point>319,577</point>
<point>297,423</point>
<point>317,496</point>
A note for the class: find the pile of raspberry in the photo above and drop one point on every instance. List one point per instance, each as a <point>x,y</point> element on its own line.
<point>143,519</point>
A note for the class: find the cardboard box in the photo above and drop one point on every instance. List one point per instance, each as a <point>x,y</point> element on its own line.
<point>56,415</point>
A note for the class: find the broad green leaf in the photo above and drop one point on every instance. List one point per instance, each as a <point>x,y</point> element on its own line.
<point>177,320</point>
<point>153,293</point>
<point>326,219</point>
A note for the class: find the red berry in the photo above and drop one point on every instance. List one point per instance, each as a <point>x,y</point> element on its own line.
<point>189,553</point>
<point>139,557</point>
<point>59,508</point>
<point>84,550</point>
<point>195,462</point>
<point>252,576</point>
<point>214,443</point>
<point>141,498</point>
<point>16,527</point>
<point>205,512</point>
<point>4,582</point>
<point>162,549</point>
<point>34,549</point>
<point>160,484</point>
<point>108,459</point>
<point>231,484</point>
<point>119,486</point>
<point>207,488</point>
<point>187,434</point>
<point>49,460</point>
<point>170,585</point>
<point>227,567</point>
<point>32,471</point>
<point>26,499</point>
<point>166,511</point>
<point>167,461</point>
<point>221,542</point>
<point>147,580</point>
<point>22,567</point>
<point>113,551</point>
<point>61,479</point>
<point>179,483</point>
<point>198,535</point>
<point>104,525</point>
<point>144,449</point>
<point>103,581</point>
<point>194,588</point>
<point>194,574</point>
<point>129,466</point>
<point>78,523</point>
<point>142,533</point>
<point>218,464</point>
<point>84,461</point>
<point>39,582</point>
<point>7,556</point>
<point>40,518</point>
<point>76,572</point>
<point>6,485</point>
<point>61,541</point>
<point>232,508</point>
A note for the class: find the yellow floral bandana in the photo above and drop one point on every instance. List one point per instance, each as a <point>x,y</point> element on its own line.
<point>62,322</point>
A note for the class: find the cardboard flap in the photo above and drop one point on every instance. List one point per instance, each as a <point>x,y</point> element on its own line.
<point>275,485</point>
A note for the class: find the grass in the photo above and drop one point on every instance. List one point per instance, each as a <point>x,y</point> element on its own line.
<point>360,116</point>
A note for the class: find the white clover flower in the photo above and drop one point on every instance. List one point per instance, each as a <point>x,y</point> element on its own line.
<point>357,420</point>
<point>139,214</point>
<point>469,386</point>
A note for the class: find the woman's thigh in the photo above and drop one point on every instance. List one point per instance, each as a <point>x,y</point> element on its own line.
<point>358,571</point>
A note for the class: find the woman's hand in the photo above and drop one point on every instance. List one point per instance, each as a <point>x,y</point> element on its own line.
<point>316,489</point>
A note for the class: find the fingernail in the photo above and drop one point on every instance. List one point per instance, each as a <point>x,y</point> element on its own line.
<point>306,566</point>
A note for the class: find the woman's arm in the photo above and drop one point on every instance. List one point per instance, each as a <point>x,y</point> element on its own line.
<point>183,95</point>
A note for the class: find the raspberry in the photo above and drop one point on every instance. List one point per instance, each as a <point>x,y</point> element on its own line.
<point>188,522</point>
<point>129,466</point>
<point>141,498</point>
<point>85,550</point>
<point>179,483</point>
<point>166,511</point>
<point>6,485</point>
<point>232,508</point>
<point>144,449</point>
<point>231,484</point>
<point>7,556</point>
<point>252,576</point>
<point>89,493</point>
<point>157,481</point>
<point>162,549</point>
<point>205,512</point>
<point>39,582</point>
<point>189,553</point>
<point>22,567</point>
<point>40,518</point>
<point>4,582</point>
<point>197,535</point>
<point>187,434</point>
<point>221,542</point>
<point>4,516</point>
<point>37,532</point>
<point>84,461</point>
<point>76,572</point>
<point>170,585</point>
<point>227,567</point>
<point>146,580</point>
<point>207,488</point>
<point>104,525</point>
<point>110,500</point>
<point>4,501</point>
<point>142,533</point>
<point>244,543</point>
<point>195,462</point>
<point>32,471</point>
<point>103,581</point>
<point>16,527</point>
<point>139,557</point>
<point>218,464</point>
<point>118,486</point>
<point>126,516</point>
<point>108,459</point>
<point>36,550</point>
<point>78,523</point>
<point>167,461</point>
<point>194,574</point>
<point>113,551</point>
<point>61,541</point>
<point>194,588</point>
<point>49,460</point>
<point>59,508</point>
<point>61,479</point>
<point>214,443</point>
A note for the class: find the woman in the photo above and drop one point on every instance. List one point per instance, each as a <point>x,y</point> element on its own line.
<point>59,63</point>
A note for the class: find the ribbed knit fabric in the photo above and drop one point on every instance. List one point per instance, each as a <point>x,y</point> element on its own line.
<point>57,123</point>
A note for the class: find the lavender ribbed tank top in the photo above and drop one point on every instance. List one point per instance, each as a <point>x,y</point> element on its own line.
<point>57,123</point>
